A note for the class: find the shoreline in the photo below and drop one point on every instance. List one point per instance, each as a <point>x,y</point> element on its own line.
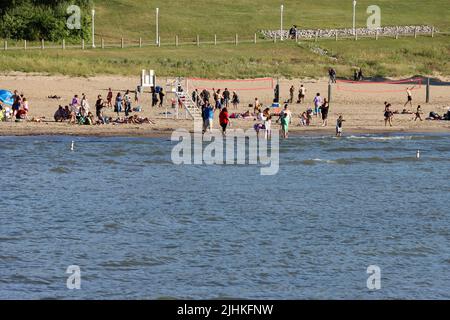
<point>145,132</point>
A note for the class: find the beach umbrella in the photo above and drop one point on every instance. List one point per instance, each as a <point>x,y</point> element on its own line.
<point>6,97</point>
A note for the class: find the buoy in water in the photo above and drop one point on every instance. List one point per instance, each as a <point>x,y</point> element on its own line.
<point>72,146</point>
<point>418,154</point>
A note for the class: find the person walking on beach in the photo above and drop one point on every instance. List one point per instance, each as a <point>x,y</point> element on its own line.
<point>137,94</point>
<point>418,114</point>
<point>98,109</point>
<point>84,110</point>
<point>285,119</point>
<point>109,98</point>
<point>325,108</point>
<point>161,97</point>
<point>301,94</point>
<point>318,101</point>
<point>208,117</point>
<point>224,120</point>
<point>388,114</point>
<point>118,104</point>
<point>291,94</point>
<point>267,121</point>
<point>339,128</point>
<point>409,96</point>
<point>226,97</point>
<point>235,100</point>
<point>127,99</point>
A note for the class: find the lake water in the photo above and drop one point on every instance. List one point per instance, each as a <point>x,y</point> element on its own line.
<point>140,227</point>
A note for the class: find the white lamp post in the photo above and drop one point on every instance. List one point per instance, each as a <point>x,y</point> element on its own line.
<point>354,17</point>
<point>281,23</point>
<point>93,28</point>
<point>157,25</point>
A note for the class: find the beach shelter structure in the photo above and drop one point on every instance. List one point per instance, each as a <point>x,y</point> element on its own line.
<point>6,97</point>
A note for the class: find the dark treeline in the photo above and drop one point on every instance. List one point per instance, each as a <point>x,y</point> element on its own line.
<point>43,19</point>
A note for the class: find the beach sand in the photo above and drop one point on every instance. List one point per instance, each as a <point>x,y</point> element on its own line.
<point>363,110</point>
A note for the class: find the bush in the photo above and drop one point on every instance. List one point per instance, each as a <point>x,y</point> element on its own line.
<point>36,20</point>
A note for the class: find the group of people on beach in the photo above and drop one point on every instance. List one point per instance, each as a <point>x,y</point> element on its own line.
<point>221,98</point>
<point>79,110</point>
<point>19,109</point>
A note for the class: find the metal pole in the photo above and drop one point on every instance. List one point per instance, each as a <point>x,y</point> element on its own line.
<point>432,32</point>
<point>354,16</point>
<point>336,35</point>
<point>157,25</point>
<point>93,28</point>
<point>428,90</point>
<point>415,33</point>
<point>281,23</point>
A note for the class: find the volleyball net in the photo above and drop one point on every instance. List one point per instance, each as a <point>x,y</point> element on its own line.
<point>260,84</point>
<point>379,86</point>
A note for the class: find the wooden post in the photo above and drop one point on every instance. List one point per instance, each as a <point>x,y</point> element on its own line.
<point>377,34</point>
<point>255,38</point>
<point>215,39</point>
<point>176,41</point>
<point>25,44</point>
<point>159,41</point>
<point>329,92</point>
<point>82,44</point>
<point>428,91</point>
<point>317,36</point>
<point>236,39</point>
<point>42,44</point>
<point>356,35</point>
<point>432,32</point>
<point>140,42</point>
<point>336,35</point>
<point>415,33</point>
<point>396,33</point>
<point>6,45</point>
<point>103,43</point>
<point>198,41</point>
<point>64,44</point>
<point>275,38</point>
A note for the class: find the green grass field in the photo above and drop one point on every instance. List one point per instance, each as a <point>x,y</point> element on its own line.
<point>134,19</point>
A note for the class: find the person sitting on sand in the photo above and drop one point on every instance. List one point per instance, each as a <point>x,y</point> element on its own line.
<point>404,111</point>
<point>418,114</point>
<point>303,119</point>
<point>99,105</point>
<point>60,114</point>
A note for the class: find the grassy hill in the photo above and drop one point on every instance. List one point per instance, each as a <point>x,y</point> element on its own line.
<point>134,19</point>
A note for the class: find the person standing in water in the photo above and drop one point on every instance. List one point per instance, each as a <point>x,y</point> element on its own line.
<point>285,119</point>
<point>339,123</point>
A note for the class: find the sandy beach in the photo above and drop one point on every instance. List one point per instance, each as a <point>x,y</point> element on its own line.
<point>363,110</point>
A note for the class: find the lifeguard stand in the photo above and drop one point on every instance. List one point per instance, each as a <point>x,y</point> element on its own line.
<point>148,79</point>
